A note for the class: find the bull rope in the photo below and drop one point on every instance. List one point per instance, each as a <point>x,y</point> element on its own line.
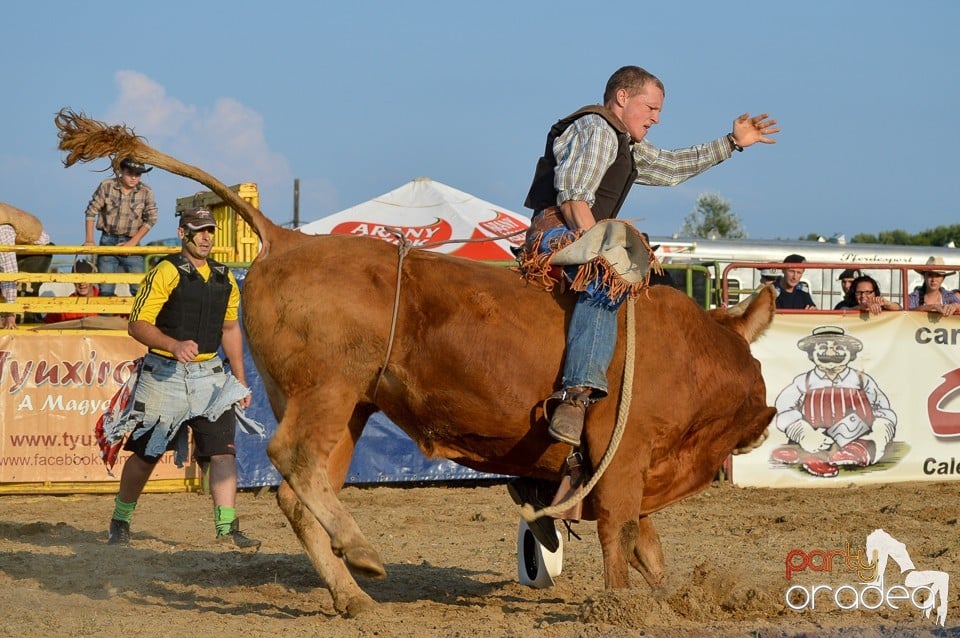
<point>626,392</point>
<point>403,247</point>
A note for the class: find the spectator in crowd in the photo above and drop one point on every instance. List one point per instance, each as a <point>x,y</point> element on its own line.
<point>931,296</point>
<point>81,289</point>
<point>769,276</point>
<point>846,282</point>
<point>19,227</point>
<point>790,294</point>
<point>124,210</point>
<point>866,293</point>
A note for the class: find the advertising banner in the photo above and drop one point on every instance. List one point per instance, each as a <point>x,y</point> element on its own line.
<point>53,388</point>
<point>860,399</point>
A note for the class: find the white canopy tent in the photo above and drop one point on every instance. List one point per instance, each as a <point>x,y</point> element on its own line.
<point>434,215</point>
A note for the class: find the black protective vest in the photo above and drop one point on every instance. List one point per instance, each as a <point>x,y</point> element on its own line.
<point>616,181</point>
<point>196,308</point>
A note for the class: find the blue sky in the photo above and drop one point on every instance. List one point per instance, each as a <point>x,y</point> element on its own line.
<point>355,99</point>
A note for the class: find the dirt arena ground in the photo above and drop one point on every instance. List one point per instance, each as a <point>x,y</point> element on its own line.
<point>451,557</point>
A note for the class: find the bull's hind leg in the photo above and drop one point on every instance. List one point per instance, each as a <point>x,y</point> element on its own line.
<point>647,555</point>
<point>348,597</point>
<point>301,451</point>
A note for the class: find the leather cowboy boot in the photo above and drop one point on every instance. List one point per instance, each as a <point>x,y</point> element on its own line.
<point>566,424</point>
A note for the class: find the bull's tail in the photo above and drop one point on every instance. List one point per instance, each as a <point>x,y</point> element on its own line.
<point>85,140</point>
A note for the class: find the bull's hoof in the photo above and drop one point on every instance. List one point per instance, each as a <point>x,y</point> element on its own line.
<point>653,577</point>
<point>356,605</point>
<point>365,561</point>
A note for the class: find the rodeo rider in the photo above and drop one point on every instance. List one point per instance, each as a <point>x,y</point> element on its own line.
<point>592,159</point>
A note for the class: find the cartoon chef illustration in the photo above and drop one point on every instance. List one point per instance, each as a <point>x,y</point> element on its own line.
<point>833,414</point>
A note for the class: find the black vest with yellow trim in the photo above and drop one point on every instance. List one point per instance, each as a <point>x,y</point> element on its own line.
<point>616,181</point>
<point>195,308</point>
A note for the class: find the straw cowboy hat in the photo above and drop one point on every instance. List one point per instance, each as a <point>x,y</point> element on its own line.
<point>936,261</point>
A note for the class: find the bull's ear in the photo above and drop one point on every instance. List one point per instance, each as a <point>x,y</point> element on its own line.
<point>751,316</point>
<point>740,308</point>
<point>759,314</point>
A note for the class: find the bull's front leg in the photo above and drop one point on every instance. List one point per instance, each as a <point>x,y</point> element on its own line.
<point>617,499</point>
<point>630,542</point>
<point>647,557</point>
<point>617,542</point>
<point>618,512</point>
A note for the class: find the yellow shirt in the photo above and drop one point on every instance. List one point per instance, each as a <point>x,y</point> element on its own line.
<point>156,289</point>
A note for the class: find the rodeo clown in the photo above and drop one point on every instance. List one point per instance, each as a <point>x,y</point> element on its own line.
<point>833,414</point>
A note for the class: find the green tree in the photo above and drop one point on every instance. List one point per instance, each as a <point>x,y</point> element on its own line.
<point>712,218</point>
<point>939,236</point>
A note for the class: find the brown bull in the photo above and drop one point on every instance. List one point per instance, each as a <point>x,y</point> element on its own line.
<point>472,353</point>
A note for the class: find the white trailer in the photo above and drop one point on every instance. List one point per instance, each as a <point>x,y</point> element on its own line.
<point>825,261</point>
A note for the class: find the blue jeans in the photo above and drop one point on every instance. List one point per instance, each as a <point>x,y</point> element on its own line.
<point>117,263</point>
<point>591,335</point>
<point>591,339</point>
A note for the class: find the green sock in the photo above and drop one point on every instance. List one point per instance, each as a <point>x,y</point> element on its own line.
<point>123,511</point>
<point>223,518</point>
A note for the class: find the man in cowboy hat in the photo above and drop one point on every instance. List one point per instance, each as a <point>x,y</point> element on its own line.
<point>833,415</point>
<point>931,295</point>
<point>124,210</point>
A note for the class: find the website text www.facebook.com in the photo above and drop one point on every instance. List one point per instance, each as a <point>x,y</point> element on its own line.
<point>77,450</point>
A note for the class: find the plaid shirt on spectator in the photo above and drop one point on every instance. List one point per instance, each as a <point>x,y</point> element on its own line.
<point>8,260</point>
<point>119,214</point>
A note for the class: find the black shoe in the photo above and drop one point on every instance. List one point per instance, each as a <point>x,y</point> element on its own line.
<point>526,490</point>
<point>119,533</point>
<point>237,537</point>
